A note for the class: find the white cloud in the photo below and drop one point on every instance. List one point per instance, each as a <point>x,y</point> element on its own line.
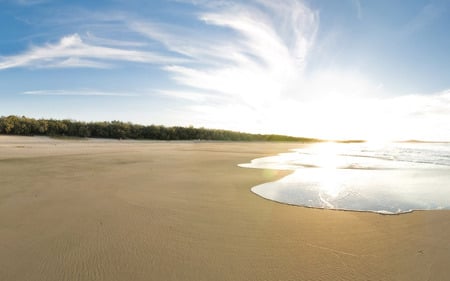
<point>423,117</point>
<point>194,96</point>
<point>72,51</point>
<point>255,54</point>
<point>207,49</point>
<point>96,40</point>
<point>358,7</point>
<point>29,2</point>
<point>426,17</point>
<point>74,62</point>
<point>81,92</point>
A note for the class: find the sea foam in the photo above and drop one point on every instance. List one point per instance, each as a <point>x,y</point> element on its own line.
<point>390,179</point>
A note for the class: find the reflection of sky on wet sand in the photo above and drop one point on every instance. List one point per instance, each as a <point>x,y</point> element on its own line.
<point>325,176</point>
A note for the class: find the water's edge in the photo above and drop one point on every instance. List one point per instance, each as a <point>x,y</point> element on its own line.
<point>361,182</point>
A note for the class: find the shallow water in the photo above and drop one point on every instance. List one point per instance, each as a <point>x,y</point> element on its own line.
<point>390,178</point>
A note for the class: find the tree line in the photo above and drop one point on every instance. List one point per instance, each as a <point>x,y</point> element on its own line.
<point>16,125</point>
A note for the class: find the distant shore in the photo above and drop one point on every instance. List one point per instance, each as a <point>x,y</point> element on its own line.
<point>128,210</point>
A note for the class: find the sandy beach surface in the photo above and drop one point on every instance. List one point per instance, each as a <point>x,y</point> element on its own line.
<point>141,210</point>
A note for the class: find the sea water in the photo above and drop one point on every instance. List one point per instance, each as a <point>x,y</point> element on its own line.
<point>384,178</point>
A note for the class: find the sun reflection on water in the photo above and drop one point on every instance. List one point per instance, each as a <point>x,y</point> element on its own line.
<point>328,177</point>
<point>385,179</point>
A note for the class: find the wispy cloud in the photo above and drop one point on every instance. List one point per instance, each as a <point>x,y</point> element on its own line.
<point>72,51</point>
<point>82,92</point>
<point>259,50</point>
<point>359,11</point>
<point>96,40</point>
<point>27,2</point>
<point>418,116</point>
<point>429,14</point>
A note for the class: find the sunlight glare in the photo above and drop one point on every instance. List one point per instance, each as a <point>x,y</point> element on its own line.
<point>328,161</point>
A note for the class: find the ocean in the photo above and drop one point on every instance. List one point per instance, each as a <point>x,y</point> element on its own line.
<point>390,178</point>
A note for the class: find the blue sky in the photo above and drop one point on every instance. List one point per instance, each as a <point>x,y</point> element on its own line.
<point>317,68</point>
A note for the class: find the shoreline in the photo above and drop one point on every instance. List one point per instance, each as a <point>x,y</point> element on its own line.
<point>380,185</point>
<point>344,210</point>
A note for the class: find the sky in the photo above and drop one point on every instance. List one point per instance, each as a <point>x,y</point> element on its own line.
<point>347,69</point>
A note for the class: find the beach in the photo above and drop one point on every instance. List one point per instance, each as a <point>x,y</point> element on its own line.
<point>78,209</point>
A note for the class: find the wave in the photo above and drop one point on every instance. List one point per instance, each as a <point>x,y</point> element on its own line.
<point>393,178</point>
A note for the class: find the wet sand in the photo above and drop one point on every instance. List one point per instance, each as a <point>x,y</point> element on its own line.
<point>138,210</point>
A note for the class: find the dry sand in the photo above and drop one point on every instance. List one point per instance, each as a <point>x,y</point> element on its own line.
<point>111,210</point>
